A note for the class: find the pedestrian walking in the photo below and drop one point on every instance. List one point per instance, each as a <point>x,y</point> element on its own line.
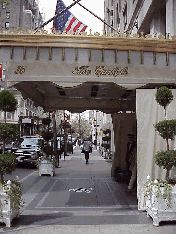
<point>131,159</point>
<point>86,149</point>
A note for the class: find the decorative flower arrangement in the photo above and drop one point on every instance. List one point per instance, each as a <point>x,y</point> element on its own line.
<point>51,160</point>
<point>162,190</point>
<point>65,124</point>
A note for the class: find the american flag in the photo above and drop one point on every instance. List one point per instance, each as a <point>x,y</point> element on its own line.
<point>67,21</point>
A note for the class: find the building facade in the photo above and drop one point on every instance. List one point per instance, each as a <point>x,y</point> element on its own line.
<point>23,14</point>
<point>100,122</point>
<point>141,16</point>
<point>27,115</point>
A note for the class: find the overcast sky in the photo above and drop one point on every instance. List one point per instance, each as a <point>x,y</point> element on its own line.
<point>97,6</point>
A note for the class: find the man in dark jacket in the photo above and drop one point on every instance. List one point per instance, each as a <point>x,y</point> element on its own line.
<point>131,149</point>
<point>131,145</point>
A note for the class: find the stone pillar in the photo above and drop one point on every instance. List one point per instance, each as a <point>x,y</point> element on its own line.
<point>157,24</point>
<point>170,23</point>
<point>123,124</point>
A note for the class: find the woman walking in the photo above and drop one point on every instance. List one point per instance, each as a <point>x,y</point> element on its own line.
<point>86,149</point>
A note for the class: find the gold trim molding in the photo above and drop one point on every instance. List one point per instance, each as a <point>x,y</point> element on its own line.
<point>147,43</point>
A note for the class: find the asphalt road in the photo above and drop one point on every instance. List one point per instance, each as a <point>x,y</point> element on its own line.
<point>78,194</point>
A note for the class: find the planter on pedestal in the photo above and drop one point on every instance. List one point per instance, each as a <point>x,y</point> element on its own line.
<point>10,201</point>
<point>160,201</point>
<point>46,166</point>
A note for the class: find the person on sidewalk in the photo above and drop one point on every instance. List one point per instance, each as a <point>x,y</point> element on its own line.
<point>131,159</point>
<point>86,149</point>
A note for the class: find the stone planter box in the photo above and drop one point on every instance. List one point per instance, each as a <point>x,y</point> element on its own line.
<point>157,208</point>
<point>46,168</point>
<point>7,214</point>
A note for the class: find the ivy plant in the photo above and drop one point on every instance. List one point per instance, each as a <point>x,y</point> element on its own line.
<point>14,193</point>
<point>166,195</point>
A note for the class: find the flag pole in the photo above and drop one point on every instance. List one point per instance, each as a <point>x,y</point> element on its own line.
<point>60,13</point>
<point>96,16</point>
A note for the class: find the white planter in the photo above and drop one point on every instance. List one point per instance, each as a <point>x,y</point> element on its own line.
<point>158,209</point>
<point>7,214</point>
<point>46,167</point>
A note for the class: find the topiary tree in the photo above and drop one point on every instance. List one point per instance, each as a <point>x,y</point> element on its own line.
<point>46,121</point>
<point>7,165</point>
<point>8,132</point>
<point>47,136</point>
<point>8,102</point>
<point>48,149</point>
<point>167,130</point>
<point>164,97</point>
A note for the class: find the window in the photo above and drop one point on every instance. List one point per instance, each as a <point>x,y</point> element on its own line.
<point>119,5</point>
<point>7,25</point>
<point>125,16</point>
<point>111,2</point>
<point>4,5</point>
<point>118,18</point>
<point>7,15</point>
<point>111,12</point>
<point>9,115</point>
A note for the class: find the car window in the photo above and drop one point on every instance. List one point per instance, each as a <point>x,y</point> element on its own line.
<point>32,141</point>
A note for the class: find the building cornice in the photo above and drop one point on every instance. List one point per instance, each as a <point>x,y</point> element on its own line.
<point>117,41</point>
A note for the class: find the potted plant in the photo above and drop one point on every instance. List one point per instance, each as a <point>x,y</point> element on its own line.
<point>106,145</point>
<point>47,163</point>
<point>10,191</point>
<point>46,121</point>
<point>161,195</point>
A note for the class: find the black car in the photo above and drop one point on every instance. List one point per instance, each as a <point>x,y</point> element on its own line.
<point>28,158</point>
<point>29,151</point>
<point>10,147</point>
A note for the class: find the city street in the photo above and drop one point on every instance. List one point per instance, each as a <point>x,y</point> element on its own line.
<point>79,195</point>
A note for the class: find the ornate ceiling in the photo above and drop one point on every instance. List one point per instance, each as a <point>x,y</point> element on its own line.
<point>106,97</point>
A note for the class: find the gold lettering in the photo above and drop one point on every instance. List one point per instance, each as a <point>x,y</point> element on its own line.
<point>83,70</point>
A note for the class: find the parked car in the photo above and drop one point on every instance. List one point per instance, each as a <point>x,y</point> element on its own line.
<point>29,151</point>
<point>28,158</point>
<point>10,147</point>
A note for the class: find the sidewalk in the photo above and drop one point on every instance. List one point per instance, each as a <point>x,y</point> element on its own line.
<point>81,198</point>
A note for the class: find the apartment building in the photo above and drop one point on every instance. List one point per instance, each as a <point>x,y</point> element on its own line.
<point>28,115</point>
<point>101,121</point>
<point>23,14</point>
<point>136,16</point>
